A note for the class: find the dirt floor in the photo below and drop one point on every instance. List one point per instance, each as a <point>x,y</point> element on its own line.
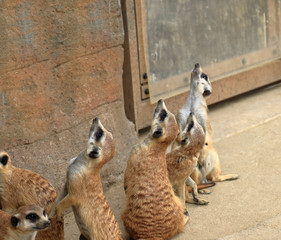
<point>247,136</point>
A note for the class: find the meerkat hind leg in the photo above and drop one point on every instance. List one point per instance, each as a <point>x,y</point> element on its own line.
<point>195,199</point>
<point>181,193</point>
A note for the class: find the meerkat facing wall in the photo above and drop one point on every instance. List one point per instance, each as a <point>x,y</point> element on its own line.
<point>83,190</point>
<point>19,187</point>
<point>182,161</point>
<point>152,210</point>
<point>24,223</point>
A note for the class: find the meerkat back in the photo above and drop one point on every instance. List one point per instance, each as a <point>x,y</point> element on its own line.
<point>152,210</point>
<point>20,187</point>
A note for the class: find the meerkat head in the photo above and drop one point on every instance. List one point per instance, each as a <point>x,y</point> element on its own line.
<point>164,127</point>
<point>193,132</point>
<point>5,160</point>
<point>30,218</point>
<point>201,81</point>
<point>100,145</point>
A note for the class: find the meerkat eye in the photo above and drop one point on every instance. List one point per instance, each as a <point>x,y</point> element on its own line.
<point>190,126</point>
<point>99,134</point>
<point>14,221</point>
<point>44,213</point>
<point>4,160</point>
<point>32,217</point>
<point>203,75</point>
<point>162,115</point>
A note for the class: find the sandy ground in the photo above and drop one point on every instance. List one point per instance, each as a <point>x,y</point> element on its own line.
<point>247,136</point>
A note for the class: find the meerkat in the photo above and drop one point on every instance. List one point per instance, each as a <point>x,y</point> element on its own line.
<point>208,163</point>
<point>200,87</point>
<point>182,161</point>
<point>24,223</point>
<point>153,211</point>
<point>19,187</point>
<point>83,189</point>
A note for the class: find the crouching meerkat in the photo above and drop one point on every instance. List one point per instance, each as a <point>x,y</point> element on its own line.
<point>83,189</point>
<point>152,210</point>
<point>19,187</point>
<point>182,161</point>
<point>24,223</point>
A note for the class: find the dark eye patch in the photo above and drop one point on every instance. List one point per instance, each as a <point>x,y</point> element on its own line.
<point>99,133</point>
<point>162,115</point>
<point>4,160</point>
<point>203,75</point>
<point>190,126</point>
<point>32,217</point>
<point>44,213</point>
<point>14,221</point>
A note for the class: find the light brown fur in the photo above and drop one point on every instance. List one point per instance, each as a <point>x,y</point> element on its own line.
<point>182,161</point>
<point>19,226</point>
<point>152,210</point>
<point>83,190</point>
<point>19,187</point>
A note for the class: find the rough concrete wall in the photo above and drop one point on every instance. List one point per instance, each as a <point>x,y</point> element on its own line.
<point>61,66</point>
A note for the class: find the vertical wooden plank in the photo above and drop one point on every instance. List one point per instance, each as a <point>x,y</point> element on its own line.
<point>271,22</point>
<point>141,31</point>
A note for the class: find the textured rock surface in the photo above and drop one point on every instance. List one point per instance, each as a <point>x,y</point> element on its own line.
<point>60,66</point>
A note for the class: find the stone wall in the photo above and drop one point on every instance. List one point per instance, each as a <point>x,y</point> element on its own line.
<point>61,66</point>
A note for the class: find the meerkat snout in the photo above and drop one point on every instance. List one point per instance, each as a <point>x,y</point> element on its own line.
<point>95,153</point>
<point>207,93</point>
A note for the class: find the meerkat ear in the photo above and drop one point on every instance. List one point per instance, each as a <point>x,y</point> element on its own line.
<point>4,159</point>
<point>14,221</point>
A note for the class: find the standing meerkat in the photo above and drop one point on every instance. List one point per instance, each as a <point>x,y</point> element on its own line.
<point>152,210</point>
<point>182,161</point>
<point>200,87</point>
<point>19,187</point>
<point>83,189</point>
<point>209,167</point>
<point>24,223</point>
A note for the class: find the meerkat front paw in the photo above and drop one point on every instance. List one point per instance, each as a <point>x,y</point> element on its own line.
<point>57,215</point>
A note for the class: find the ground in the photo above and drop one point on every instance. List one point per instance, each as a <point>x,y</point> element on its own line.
<point>247,136</point>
